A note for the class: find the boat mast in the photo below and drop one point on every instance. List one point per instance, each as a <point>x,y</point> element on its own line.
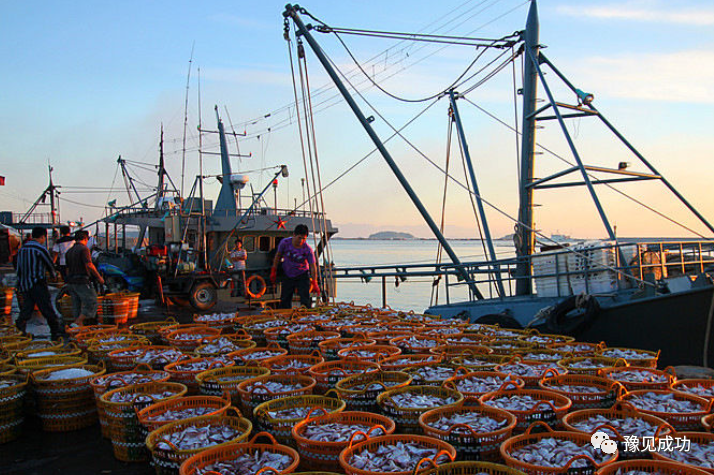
<point>292,12</point>
<point>524,232</point>
<point>160,191</point>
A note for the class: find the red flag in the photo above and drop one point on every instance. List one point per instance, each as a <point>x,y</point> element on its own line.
<point>2,181</point>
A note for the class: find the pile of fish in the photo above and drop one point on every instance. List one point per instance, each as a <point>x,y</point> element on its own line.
<point>374,386</point>
<point>476,361</point>
<point>291,365</point>
<point>129,353</point>
<point>480,384</point>
<point>699,454</point>
<point>7,383</point>
<point>126,396</point>
<point>575,388</point>
<point>193,437</point>
<point>577,348</point>
<point>130,378</point>
<point>697,390</point>
<point>625,353</point>
<point>416,342</point>
<point>432,373</point>
<point>268,324</point>
<point>515,402</point>
<point>178,414</point>
<point>202,364</point>
<point>414,400</point>
<point>527,370</point>
<point>552,452</point>
<point>442,331</point>
<point>297,328</point>
<point>292,413</point>
<point>70,373</point>
<point>464,340</point>
<point>589,363</point>
<point>248,464</point>
<point>399,457</point>
<point>477,421</point>
<point>638,376</point>
<point>160,356</point>
<point>274,387</point>
<point>215,317</point>
<point>624,426</point>
<point>41,354</point>
<point>541,357</point>
<point>220,345</point>
<point>336,432</point>
<point>365,353</point>
<point>411,361</point>
<point>260,355</point>
<point>191,336</point>
<point>663,403</point>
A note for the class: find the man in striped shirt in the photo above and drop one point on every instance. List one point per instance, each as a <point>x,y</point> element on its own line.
<point>33,262</point>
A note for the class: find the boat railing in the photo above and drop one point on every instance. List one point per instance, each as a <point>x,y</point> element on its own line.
<point>592,268</point>
<point>271,212</point>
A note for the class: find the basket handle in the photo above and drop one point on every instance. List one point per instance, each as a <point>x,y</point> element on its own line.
<point>264,434</point>
<point>337,394</point>
<point>316,353</point>
<point>364,435</point>
<point>671,373</point>
<point>620,391</point>
<point>266,470</point>
<point>436,457</point>
<point>550,371</point>
<point>449,384</point>
<point>580,456</point>
<point>143,367</point>
<point>504,387</point>
<point>620,363</point>
<point>537,424</point>
<point>662,428</point>
<point>314,409</point>
<point>625,407</point>
<point>459,369</point>
<point>608,426</point>
<point>259,384</point>
<point>462,426</point>
<point>215,364</point>
<point>418,468</point>
<point>542,402</point>
<point>170,444</point>
<point>375,427</point>
<point>232,409</point>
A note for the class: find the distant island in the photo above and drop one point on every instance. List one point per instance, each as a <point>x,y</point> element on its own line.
<point>391,235</point>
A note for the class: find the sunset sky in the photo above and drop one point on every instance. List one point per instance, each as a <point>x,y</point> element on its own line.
<point>84,82</point>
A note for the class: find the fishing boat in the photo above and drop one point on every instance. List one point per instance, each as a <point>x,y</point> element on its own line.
<point>655,294</point>
<point>189,240</point>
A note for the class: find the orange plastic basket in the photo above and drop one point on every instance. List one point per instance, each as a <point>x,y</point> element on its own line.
<point>578,348</point>
<point>279,335</point>
<point>590,364</point>
<point>401,362</point>
<point>443,451</point>
<point>550,407</point>
<point>360,390</point>
<point>466,468</point>
<point>329,348</point>
<point>649,466</point>
<point>637,377</point>
<point>205,459</point>
<point>416,343</point>
<point>681,421</point>
<point>544,340</point>
<point>585,391</point>
<point>634,357</point>
<point>708,422</point>
<point>225,322</point>
<point>229,345</point>
<point>127,358</point>
<point>325,455</point>
<point>619,411</point>
<point>470,444</point>
<point>191,338</point>
<point>216,382</point>
<point>450,352</point>
<point>369,353</point>
<point>306,342</point>
<point>254,392</point>
<point>275,417</point>
<point>168,461</point>
<point>683,456</point>
<point>407,418</point>
<point>530,372</point>
<point>697,387</point>
<point>12,414</point>
<point>436,374</point>
<point>254,356</point>
<point>523,440</point>
<point>150,330</point>
<point>151,417</point>
<point>293,364</point>
<point>478,362</point>
<point>327,374</point>
<point>501,379</point>
<point>180,372</point>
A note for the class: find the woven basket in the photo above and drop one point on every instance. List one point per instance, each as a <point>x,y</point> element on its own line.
<point>550,407</point>
<point>706,385</point>
<point>644,358</point>
<point>329,348</point>
<point>281,427</point>
<point>535,371</point>
<point>668,377</point>
<point>355,390</point>
<point>578,348</point>
<point>233,451</point>
<point>37,364</point>
<point>188,376</point>
<point>148,416</point>
<point>165,330</point>
<point>604,393</point>
<point>216,382</point>
<point>204,350</point>
<point>150,330</point>
<point>618,412</point>
<point>25,346</point>
<point>402,362</point>
<point>253,392</point>
<point>257,326</point>
<point>124,428</point>
<point>167,462</point>
<point>304,343</point>
<point>57,350</point>
<point>469,444</point>
<point>519,441</point>
<point>281,364</point>
<point>420,379</point>
<point>649,466</point>
<point>68,404</point>
<point>383,337</point>
<point>189,339</point>
<point>596,363</point>
<point>705,438</point>
<point>327,374</point>
<point>478,362</point>
<point>279,335</point>
<point>450,352</point>
<point>12,413</point>
<point>248,357</point>
<point>443,450</point>
<point>100,351</point>
<point>325,455</point>
<point>223,324</point>
<point>369,353</point>
<point>471,396</point>
<point>406,418</point>
<point>681,421</point>
<point>544,340</point>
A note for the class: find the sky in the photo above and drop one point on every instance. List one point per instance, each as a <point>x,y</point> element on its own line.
<point>86,82</point>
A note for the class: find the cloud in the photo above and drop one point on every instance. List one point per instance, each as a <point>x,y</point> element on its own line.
<point>684,76</point>
<point>642,12</point>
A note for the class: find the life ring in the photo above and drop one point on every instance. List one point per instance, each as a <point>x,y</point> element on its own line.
<point>262,286</point>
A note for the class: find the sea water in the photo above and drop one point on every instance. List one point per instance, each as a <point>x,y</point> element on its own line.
<point>416,293</point>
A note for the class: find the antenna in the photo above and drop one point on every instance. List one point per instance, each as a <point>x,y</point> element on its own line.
<point>185,120</point>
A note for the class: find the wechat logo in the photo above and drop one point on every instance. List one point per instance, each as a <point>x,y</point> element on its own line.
<point>602,441</point>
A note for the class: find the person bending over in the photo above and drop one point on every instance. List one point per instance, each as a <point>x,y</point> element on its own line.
<point>297,259</point>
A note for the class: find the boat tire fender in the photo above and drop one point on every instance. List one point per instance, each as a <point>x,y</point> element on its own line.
<point>558,320</point>
<point>262,286</point>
